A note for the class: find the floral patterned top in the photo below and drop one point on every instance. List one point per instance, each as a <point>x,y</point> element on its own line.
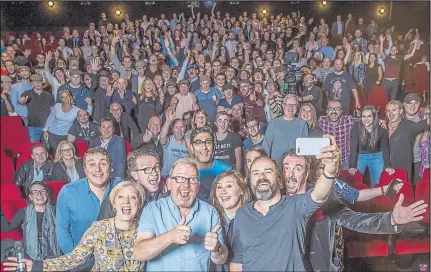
<point>112,250</point>
<point>425,153</point>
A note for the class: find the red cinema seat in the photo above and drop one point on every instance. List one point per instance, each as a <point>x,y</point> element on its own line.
<point>128,148</point>
<point>55,187</point>
<point>81,148</point>
<point>59,34</point>
<point>25,153</point>
<point>401,174</point>
<point>10,208</point>
<point>412,246</point>
<point>7,170</point>
<point>10,192</point>
<point>385,204</point>
<point>13,138</point>
<point>11,122</point>
<point>363,249</point>
<point>349,179</point>
<point>422,192</point>
<point>379,99</point>
<point>421,79</point>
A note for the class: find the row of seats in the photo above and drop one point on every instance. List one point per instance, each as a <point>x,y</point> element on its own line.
<point>367,245</point>
<point>16,147</point>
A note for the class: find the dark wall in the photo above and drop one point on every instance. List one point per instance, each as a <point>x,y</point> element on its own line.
<point>33,16</point>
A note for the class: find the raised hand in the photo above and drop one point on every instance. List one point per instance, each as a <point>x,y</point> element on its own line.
<point>214,97</point>
<point>330,156</point>
<point>211,239</point>
<point>23,99</point>
<point>134,100</point>
<point>169,115</point>
<point>147,136</point>
<point>403,215</point>
<point>48,56</point>
<point>381,38</point>
<point>109,90</point>
<point>180,234</point>
<point>89,101</point>
<point>94,65</point>
<point>26,53</point>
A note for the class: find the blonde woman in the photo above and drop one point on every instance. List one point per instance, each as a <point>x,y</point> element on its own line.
<point>150,104</point>
<point>61,119</point>
<point>67,166</point>
<point>357,69</point>
<point>110,241</point>
<point>307,112</point>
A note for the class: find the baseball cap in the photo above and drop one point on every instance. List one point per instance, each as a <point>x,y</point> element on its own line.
<point>6,79</point>
<point>171,83</point>
<point>24,67</point>
<point>183,81</point>
<point>36,77</point>
<point>411,97</point>
<point>75,72</point>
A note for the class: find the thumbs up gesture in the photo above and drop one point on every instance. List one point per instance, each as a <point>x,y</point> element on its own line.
<point>180,234</point>
<point>211,239</point>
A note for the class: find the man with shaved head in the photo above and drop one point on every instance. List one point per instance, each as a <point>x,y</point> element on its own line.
<point>150,138</point>
<point>276,240</point>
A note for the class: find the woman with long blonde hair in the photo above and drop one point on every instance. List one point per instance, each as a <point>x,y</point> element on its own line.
<point>149,104</point>
<point>67,165</point>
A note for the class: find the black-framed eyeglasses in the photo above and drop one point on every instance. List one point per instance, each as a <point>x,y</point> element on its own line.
<point>180,179</point>
<point>149,170</point>
<point>200,143</point>
<point>37,192</point>
<point>335,109</point>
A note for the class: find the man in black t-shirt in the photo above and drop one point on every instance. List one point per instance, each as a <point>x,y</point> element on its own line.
<point>83,129</point>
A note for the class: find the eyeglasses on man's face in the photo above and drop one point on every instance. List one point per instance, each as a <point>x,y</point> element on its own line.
<point>181,180</point>
<point>150,170</point>
<point>200,143</point>
<point>37,192</point>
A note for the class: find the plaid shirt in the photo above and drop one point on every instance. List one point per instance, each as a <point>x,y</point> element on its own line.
<point>362,43</point>
<point>341,132</point>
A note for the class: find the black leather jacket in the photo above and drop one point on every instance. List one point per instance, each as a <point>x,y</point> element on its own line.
<point>24,175</point>
<point>321,234</point>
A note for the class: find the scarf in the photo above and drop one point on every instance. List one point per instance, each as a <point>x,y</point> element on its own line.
<point>49,244</point>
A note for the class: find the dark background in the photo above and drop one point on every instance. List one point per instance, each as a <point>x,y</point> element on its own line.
<point>36,16</point>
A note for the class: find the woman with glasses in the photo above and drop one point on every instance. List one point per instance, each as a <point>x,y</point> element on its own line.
<point>37,222</point>
<point>61,119</point>
<point>110,241</point>
<point>67,166</point>
<point>228,193</point>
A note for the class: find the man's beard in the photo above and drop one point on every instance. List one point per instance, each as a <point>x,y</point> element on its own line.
<point>268,194</point>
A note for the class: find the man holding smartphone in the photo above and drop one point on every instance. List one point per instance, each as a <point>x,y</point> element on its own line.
<point>325,252</point>
<point>276,241</point>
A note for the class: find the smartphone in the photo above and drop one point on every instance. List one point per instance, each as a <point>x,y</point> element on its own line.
<point>310,146</point>
<point>391,191</point>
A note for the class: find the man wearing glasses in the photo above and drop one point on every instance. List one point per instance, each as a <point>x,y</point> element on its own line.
<point>339,126</point>
<point>203,147</point>
<point>144,168</point>
<point>180,232</point>
<point>124,124</point>
<point>282,132</point>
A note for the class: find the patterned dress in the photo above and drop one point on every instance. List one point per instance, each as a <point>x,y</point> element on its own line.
<point>112,250</point>
<point>425,154</point>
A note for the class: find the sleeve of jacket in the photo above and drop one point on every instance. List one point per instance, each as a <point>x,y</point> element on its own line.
<point>373,223</point>
<point>137,141</point>
<point>132,125</point>
<point>119,160</point>
<point>20,175</point>
<point>58,172</point>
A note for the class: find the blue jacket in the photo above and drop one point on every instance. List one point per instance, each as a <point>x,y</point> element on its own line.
<point>117,150</point>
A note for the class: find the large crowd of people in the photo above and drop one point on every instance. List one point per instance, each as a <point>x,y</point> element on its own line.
<point>211,106</point>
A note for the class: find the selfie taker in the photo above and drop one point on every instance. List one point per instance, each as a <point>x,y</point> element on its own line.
<point>276,241</point>
<point>324,232</point>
